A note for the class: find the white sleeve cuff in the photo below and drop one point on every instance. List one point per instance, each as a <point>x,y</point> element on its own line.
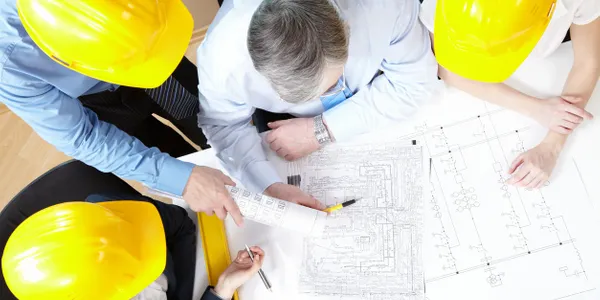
<point>258,176</point>
<point>343,123</point>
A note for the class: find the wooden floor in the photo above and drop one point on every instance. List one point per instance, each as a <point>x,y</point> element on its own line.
<point>24,155</point>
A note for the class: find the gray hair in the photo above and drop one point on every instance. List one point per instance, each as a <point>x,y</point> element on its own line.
<point>291,42</point>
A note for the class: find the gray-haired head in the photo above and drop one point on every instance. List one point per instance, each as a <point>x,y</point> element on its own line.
<point>300,46</point>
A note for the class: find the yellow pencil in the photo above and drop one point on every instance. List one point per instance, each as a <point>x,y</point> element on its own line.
<point>340,206</point>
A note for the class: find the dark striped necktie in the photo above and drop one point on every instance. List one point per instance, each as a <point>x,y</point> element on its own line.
<point>175,99</point>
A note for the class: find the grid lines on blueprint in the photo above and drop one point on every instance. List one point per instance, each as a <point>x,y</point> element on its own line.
<point>485,239</point>
<point>372,249</point>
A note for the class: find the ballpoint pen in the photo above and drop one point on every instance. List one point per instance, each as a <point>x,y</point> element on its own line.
<point>340,206</point>
<point>260,271</point>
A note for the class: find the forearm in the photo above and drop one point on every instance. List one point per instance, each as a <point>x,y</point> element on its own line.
<point>239,147</point>
<point>584,74</point>
<point>496,93</point>
<point>107,148</point>
<point>586,65</point>
<point>580,83</point>
<point>374,106</point>
<point>63,122</point>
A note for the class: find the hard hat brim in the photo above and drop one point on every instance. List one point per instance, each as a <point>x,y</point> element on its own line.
<point>164,57</point>
<point>159,62</point>
<point>479,67</point>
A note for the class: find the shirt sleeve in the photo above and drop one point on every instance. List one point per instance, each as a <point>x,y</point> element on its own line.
<point>587,12</point>
<point>75,130</point>
<point>409,74</point>
<point>427,15</point>
<point>210,295</point>
<point>226,124</point>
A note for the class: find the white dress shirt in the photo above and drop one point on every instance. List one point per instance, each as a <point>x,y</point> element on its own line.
<point>566,12</point>
<point>157,290</point>
<point>385,35</point>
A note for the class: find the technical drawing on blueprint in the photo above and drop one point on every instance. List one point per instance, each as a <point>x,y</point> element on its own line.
<point>372,249</point>
<point>486,240</point>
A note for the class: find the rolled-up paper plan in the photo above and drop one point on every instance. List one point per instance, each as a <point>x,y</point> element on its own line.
<point>279,213</point>
<point>272,211</point>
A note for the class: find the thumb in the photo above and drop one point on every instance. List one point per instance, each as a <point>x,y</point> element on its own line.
<point>515,164</point>
<point>311,202</point>
<point>257,264</point>
<point>277,124</point>
<point>318,204</point>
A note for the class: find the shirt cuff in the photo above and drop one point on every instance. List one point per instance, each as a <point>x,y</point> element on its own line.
<point>338,124</point>
<point>209,294</point>
<point>173,176</point>
<point>259,176</point>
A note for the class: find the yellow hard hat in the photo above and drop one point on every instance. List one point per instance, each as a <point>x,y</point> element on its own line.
<point>136,43</point>
<point>80,250</point>
<point>487,40</point>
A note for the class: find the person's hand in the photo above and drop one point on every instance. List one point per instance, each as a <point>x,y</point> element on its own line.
<point>532,168</point>
<point>293,139</point>
<point>238,272</point>
<point>293,194</point>
<point>205,192</point>
<point>560,114</point>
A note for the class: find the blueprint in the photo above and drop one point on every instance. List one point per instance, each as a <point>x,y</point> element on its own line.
<point>372,249</point>
<point>486,240</point>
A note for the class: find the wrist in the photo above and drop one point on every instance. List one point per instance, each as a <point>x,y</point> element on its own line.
<point>272,189</point>
<point>223,292</point>
<point>554,141</point>
<point>321,131</point>
<point>327,128</point>
<point>531,105</point>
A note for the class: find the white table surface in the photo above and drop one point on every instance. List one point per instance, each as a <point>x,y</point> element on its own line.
<point>283,250</point>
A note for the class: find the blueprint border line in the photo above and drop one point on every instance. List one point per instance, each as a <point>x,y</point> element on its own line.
<point>568,296</point>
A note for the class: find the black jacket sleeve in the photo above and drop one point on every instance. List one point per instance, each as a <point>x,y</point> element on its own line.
<point>209,295</point>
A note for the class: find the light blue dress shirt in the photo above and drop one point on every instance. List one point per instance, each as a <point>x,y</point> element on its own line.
<point>44,94</point>
<point>390,72</point>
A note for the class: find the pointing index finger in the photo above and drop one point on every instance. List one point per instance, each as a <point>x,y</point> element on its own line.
<point>234,211</point>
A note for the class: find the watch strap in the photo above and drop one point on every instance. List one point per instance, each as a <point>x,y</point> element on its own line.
<point>321,132</point>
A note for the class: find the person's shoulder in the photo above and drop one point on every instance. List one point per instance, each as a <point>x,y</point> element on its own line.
<point>24,65</point>
<point>381,7</point>
<point>383,14</point>
<point>19,57</point>
<point>17,67</point>
<point>224,51</point>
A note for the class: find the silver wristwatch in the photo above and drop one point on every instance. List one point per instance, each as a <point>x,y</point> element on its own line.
<point>321,132</point>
